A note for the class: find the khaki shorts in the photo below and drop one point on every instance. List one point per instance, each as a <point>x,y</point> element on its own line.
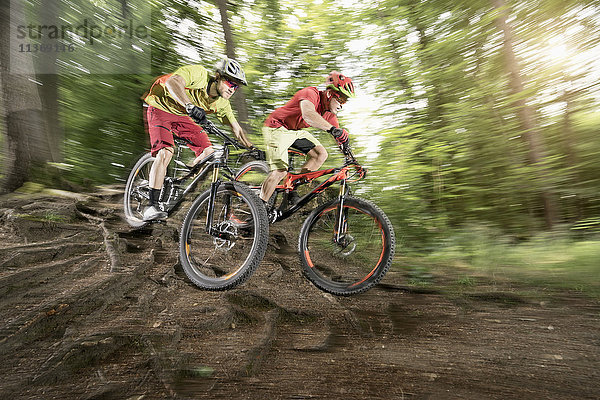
<point>279,140</point>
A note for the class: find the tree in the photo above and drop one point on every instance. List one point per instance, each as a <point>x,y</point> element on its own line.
<point>529,128</point>
<point>50,84</point>
<point>239,100</point>
<point>26,143</point>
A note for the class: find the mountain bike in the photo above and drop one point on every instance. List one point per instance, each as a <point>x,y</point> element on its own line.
<point>346,245</point>
<point>224,234</point>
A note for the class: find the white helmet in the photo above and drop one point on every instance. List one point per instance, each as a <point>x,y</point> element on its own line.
<point>231,69</point>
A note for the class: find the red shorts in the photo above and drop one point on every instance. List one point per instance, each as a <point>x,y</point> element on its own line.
<point>162,125</point>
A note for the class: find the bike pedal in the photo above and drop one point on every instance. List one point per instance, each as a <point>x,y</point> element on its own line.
<point>273,216</point>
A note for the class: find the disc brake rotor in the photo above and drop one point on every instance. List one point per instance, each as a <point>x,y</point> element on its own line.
<point>345,245</point>
<point>224,244</point>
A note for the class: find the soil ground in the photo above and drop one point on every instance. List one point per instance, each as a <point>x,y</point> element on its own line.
<point>93,309</point>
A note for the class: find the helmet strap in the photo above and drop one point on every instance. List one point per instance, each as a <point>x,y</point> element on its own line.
<point>329,95</point>
<point>213,81</point>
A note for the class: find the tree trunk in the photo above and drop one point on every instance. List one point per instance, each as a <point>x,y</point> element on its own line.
<point>239,99</point>
<point>49,88</point>
<point>525,113</point>
<point>568,144</point>
<point>25,138</point>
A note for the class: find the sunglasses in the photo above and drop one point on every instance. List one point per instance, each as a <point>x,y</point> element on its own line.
<point>232,85</point>
<point>340,99</point>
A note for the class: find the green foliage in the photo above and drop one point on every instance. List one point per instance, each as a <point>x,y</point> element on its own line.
<point>460,155</point>
<point>553,260</point>
<point>444,138</point>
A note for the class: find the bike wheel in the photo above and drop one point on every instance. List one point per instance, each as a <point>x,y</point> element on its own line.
<point>137,196</point>
<point>253,174</point>
<point>228,256</point>
<point>361,257</point>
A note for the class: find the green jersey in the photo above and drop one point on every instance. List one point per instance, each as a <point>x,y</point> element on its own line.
<point>196,85</point>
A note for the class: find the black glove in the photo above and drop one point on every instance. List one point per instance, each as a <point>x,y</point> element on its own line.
<point>340,135</point>
<point>196,113</point>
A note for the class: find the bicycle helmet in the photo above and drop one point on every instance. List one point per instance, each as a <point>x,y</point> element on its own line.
<point>231,69</point>
<point>340,83</point>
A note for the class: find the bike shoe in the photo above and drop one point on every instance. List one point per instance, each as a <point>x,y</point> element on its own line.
<point>152,213</point>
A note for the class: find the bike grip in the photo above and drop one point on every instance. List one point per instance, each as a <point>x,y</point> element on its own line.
<point>261,154</point>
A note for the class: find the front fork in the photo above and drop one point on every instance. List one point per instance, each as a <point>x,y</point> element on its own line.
<point>212,230</point>
<point>214,185</point>
<point>341,216</point>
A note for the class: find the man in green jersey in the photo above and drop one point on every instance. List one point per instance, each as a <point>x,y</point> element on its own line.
<point>177,100</point>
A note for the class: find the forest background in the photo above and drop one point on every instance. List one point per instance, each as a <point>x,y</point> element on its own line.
<point>477,120</point>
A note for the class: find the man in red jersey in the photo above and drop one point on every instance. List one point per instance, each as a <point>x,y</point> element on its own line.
<point>284,128</point>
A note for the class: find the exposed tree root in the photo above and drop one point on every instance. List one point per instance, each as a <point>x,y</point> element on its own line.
<point>109,240</point>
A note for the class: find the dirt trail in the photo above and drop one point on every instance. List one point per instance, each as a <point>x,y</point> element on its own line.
<point>92,309</point>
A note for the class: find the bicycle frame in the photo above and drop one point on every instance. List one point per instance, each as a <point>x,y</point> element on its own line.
<point>292,181</point>
<point>196,173</point>
<point>217,162</point>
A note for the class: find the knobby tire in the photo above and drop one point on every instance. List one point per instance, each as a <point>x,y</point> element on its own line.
<point>214,263</point>
<point>363,257</point>
<point>134,201</point>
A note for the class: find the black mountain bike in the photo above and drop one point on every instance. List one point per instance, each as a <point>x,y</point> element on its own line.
<point>346,245</point>
<point>224,234</point>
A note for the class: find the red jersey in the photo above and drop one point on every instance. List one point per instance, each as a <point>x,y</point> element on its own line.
<point>290,115</point>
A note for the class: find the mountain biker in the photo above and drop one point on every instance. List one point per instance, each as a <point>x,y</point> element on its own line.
<point>284,128</point>
<point>177,100</point>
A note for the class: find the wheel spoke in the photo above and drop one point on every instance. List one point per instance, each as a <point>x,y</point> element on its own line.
<point>136,197</point>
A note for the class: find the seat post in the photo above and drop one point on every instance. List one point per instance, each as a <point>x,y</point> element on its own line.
<point>292,154</point>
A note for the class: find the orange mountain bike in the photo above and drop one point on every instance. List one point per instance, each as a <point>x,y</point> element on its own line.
<point>346,245</point>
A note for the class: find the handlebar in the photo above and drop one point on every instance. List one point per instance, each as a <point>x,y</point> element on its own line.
<point>255,153</point>
<point>212,129</point>
<point>347,152</point>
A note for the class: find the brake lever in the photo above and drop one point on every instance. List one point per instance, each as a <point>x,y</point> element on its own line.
<point>363,172</point>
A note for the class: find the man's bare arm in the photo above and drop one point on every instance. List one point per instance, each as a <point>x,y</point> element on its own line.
<point>312,117</point>
<point>240,133</point>
<point>176,86</point>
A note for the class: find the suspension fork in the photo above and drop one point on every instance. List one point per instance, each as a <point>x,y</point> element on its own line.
<point>214,185</point>
<point>341,214</point>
